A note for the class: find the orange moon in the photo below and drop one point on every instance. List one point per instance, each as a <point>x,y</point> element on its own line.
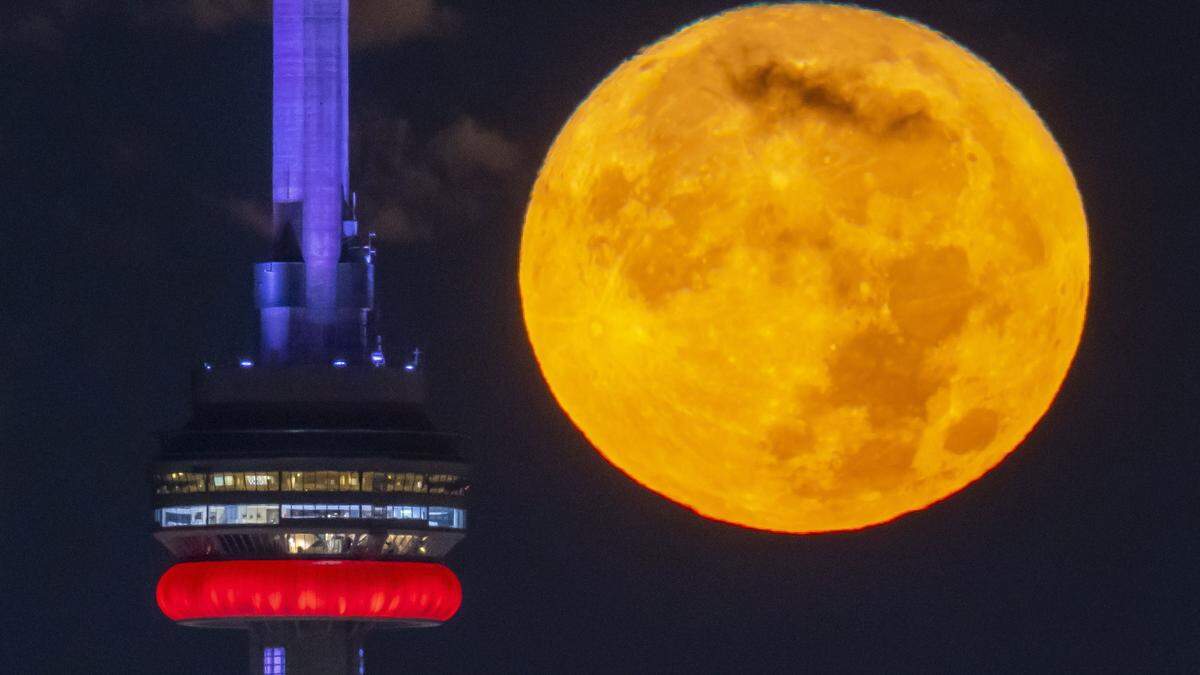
<point>805,267</point>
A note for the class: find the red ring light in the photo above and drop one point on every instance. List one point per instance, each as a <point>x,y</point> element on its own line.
<point>309,589</point>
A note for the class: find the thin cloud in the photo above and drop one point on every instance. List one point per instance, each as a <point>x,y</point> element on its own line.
<point>44,27</point>
<point>40,32</point>
<point>418,190</point>
<point>250,213</point>
<point>220,15</point>
<point>379,23</point>
<point>373,23</point>
<point>47,26</point>
<point>414,190</point>
<point>466,147</point>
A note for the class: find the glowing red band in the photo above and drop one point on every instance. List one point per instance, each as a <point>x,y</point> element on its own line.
<point>334,589</point>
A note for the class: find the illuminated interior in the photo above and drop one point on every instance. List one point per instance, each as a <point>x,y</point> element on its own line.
<point>309,481</point>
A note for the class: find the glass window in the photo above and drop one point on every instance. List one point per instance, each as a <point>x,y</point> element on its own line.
<point>270,514</point>
<point>179,482</point>
<point>273,661</point>
<point>182,516</point>
<point>375,481</point>
<point>447,484</point>
<point>321,481</point>
<point>440,516</point>
<point>243,514</point>
<point>325,543</point>
<point>262,481</point>
<point>404,512</point>
<point>327,510</point>
<point>406,545</point>
<point>244,481</point>
<point>401,544</point>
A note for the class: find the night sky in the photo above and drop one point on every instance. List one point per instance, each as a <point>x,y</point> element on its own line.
<point>135,177</point>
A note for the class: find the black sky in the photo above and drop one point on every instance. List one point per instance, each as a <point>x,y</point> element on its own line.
<point>135,153</point>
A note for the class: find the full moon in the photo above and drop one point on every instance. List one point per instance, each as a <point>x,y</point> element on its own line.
<point>805,267</point>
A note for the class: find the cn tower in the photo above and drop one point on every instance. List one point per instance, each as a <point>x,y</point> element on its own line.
<point>310,499</point>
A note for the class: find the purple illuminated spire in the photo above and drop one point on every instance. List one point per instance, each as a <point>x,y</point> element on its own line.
<point>313,306</point>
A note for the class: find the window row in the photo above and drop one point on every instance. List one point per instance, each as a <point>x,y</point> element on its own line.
<point>183,482</point>
<point>361,511</point>
<point>342,543</point>
<point>270,514</point>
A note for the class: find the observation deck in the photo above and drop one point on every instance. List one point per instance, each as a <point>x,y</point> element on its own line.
<point>309,462</point>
